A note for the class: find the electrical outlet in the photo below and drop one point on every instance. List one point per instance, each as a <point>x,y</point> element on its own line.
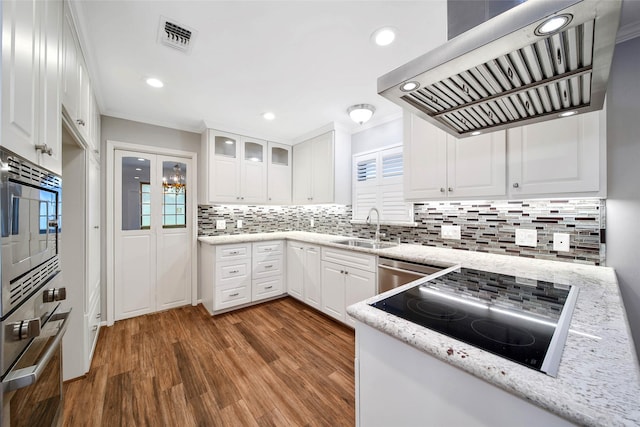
<point>221,224</point>
<point>561,242</point>
<point>239,223</point>
<point>312,223</point>
<point>526,237</point>
<point>450,232</point>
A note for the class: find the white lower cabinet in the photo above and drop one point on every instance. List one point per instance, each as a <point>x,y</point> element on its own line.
<point>347,277</point>
<point>239,274</point>
<point>303,273</point>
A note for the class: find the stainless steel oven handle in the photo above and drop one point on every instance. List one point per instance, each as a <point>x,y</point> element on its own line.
<point>401,270</point>
<point>24,377</point>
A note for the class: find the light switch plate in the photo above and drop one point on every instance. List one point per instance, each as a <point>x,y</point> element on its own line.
<point>450,232</point>
<point>221,224</point>
<point>526,237</point>
<point>561,242</point>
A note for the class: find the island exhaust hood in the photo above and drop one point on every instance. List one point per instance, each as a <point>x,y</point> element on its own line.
<point>511,70</point>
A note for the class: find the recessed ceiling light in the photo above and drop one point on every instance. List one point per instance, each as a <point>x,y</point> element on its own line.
<point>553,24</point>
<point>476,133</point>
<point>384,36</point>
<point>409,86</point>
<point>269,116</point>
<point>567,113</point>
<point>153,82</point>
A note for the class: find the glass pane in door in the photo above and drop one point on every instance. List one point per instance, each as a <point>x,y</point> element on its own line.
<point>279,156</point>
<point>174,191</point>
<point>225,146</point>
<point>253,151</point>
<point>136,195</point>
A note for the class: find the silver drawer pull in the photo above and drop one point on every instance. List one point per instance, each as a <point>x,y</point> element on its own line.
<point>268,249</point>
<point>98,315</point>
<point>234,294</point>
<point>269,287</point>
<point>268,266</point>
<point>234,272</point>
<point>234,253</point>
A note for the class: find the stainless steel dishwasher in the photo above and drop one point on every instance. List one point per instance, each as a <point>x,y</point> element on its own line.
<point>393,273</point>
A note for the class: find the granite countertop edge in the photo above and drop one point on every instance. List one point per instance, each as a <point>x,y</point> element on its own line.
<point>598,382</point>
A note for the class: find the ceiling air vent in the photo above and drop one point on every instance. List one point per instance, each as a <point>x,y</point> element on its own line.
<point>175,35</point>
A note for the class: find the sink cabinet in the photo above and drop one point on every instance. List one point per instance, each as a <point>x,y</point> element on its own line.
<point>347,277</point>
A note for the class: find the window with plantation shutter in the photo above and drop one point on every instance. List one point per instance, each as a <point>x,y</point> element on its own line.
<point>377,182</point>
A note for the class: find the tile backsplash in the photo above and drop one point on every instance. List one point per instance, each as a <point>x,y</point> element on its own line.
<point>485,226</point>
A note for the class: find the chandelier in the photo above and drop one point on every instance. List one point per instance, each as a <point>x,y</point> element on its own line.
<point>176,182</point>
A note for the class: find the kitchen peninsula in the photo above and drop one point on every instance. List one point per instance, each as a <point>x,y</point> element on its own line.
<point>598,379</point>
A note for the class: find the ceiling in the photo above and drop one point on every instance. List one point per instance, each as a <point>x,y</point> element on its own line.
<point>305,61</point>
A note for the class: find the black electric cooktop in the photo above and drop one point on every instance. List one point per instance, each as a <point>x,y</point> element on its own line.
<point>509,316</point>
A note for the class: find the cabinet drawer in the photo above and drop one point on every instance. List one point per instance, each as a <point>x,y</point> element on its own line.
<point>233,270</point>
<point>350,259</point>
<point>268,267</point>
<point>266,288</point>
<point>232,252</point>
<point>231,297</point>
<point>261,249</point>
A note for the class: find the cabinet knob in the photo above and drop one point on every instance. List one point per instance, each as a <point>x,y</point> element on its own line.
<point>450,189</point>
<point>237,197</point>
<point>96,226</point>
<point>54,294</point>
<point>95,328</point>
<point>516,185</point>
<point>442,189</point>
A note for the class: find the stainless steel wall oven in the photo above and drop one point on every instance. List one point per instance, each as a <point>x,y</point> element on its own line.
<point>31,328</point>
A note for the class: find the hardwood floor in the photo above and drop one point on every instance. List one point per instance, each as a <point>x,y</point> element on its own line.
<point>276,364</point>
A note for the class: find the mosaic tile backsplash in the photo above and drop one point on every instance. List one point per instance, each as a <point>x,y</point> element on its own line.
<point>485,226</point>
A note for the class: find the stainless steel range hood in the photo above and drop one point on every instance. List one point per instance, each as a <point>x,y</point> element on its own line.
<point>502,74</point>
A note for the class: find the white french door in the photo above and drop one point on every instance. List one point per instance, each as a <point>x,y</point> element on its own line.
<point>152,239</point>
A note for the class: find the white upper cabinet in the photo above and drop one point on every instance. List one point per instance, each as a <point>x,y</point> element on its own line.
<point>438,166</point>
<point>279,174</point>
<point>235,170</point>
<point>30,72</point>
<point>322,169</point>
<point>559,157</point>
<point>77,95</point>
<point>476,166</point>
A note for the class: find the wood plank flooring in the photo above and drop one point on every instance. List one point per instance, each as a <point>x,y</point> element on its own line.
<point>276,364</point>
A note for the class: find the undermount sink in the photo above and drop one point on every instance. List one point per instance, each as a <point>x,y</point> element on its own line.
<point>364,243</point>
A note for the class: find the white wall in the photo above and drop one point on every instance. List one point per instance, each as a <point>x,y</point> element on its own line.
<point>388,133</point>
<point>623,176</point>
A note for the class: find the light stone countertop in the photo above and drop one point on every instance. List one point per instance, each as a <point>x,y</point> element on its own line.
<point>598,381</point>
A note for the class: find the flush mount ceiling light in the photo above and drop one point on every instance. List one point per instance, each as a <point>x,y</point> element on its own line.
<point>360,113</point>
<point>475,133</point>
<point>553,24</point>
<point>384,36</point>
<point>269,116</point>
<point>153,82</point>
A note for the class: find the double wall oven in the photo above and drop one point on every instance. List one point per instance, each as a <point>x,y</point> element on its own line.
<point>31,327</point>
